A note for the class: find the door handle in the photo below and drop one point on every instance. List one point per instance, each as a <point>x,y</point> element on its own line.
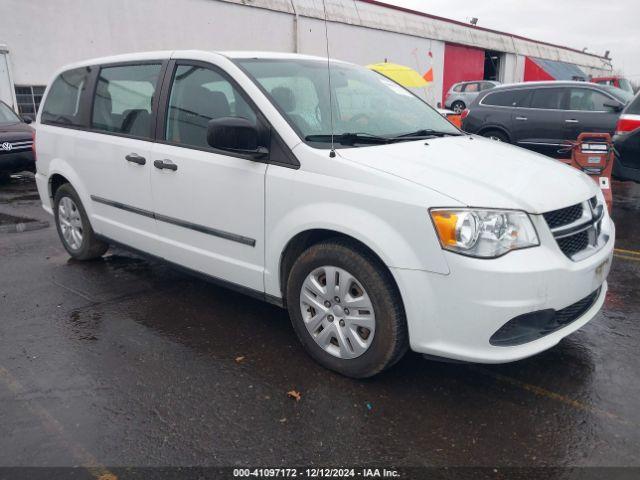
<point>135,158</point>
<point>522,119</point>
<point>165,165</point>
<point>572,120</point>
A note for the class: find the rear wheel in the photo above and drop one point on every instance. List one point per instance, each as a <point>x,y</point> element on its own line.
<point>73,226</point>
<point>458,106</point>
<point>346,310</point>
<point>496,135</point>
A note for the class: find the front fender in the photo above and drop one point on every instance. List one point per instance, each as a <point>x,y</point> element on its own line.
<point>382,236</point>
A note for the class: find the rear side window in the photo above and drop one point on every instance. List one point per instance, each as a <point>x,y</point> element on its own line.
<point>123,99</point>
<point>471,88</point>
<point>506,98</point>
<point>63,103</point>
<point>547,98</point>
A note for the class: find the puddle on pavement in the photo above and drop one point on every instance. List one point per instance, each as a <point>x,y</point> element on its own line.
<point>13,220</point>
<point>84,325</point>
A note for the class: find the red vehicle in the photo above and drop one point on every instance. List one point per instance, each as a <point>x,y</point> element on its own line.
<point>615,81</point>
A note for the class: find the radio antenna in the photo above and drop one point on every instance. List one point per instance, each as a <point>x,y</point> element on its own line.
<point>332,153</point>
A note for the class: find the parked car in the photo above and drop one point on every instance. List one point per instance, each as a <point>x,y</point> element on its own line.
<point>627,142</point>
<point>542,116</point>
<point>615,81</point>
<point>16,143</point>
<point>378,224</point>
<point>462,94</point>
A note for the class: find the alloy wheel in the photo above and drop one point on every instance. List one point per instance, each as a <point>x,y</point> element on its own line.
<point>70,223</point>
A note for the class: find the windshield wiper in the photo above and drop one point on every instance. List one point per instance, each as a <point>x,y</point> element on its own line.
<point>425,133</point>
<point>350,139</point>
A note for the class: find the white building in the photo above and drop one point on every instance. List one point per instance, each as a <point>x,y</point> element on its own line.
<point>43,35</point>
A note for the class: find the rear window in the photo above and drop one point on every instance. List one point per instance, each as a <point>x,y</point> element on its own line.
<point>63,103</point>
<point>506,98</point>
<point>634,107</point>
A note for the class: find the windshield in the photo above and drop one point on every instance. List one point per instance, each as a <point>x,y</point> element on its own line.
<point>622,95</point>
<point>365,103</point>
<point>7,115</point>
<point>625,85</point>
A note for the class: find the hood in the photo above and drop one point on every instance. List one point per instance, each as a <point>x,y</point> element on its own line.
<point>478,172</point>
<point>15,131</point>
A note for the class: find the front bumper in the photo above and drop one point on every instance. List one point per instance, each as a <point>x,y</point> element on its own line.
<point>455,315</point>
<point>17,162</point>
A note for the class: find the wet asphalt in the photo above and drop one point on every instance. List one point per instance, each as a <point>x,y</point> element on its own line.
<point>126,362</point>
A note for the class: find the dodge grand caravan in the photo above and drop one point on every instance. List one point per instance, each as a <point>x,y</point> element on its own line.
<point>350,202</point>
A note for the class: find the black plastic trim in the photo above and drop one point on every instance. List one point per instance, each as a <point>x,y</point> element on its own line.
<point>175,221</point>
<point>257,294</point>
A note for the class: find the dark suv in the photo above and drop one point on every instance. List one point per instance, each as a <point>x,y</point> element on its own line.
<point>627,141</point>
<point>542,116</point>
<point>16,143</point>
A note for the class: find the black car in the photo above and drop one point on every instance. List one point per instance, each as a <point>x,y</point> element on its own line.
<point>627,141</point>
<point>542,116</point>
<point>16,142</point>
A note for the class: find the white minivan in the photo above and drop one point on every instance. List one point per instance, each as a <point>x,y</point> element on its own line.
<point>345,199</point>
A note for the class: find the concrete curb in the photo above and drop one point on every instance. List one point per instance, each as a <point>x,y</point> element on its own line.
<point>23,227</point>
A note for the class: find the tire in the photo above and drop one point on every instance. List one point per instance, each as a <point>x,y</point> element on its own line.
<point>496,135</point>
<point>370,281</point>
<point>458,106</point>
<point>85,247</point>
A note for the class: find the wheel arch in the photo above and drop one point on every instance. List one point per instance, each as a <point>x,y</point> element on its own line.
<point>501,129</point>
<point>307,238</point>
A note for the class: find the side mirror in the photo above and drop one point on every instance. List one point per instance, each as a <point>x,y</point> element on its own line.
<point>27,119</point>
<point>616,107</point>
<point>237,135</point>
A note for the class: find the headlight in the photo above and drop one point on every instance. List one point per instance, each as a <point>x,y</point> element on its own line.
<point>483,233</point>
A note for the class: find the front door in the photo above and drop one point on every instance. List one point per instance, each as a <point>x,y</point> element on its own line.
<point>209,205</point>
<point>114,157</point>
<point>589,111</point>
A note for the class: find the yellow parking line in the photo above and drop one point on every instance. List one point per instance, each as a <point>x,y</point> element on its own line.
<point>627,257</point>
<point>53,426</point>
<point>627,252</point>
<point>542,392</point>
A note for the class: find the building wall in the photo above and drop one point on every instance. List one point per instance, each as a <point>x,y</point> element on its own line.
<point>44,35</point>
<point>461,64</point>
<point>365,46</point>
<point>533,72</point>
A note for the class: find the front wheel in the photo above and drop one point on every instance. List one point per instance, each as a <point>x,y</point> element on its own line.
<point>458,107</point>
<point>346,310</point>
<point>73,226</point>
<point>496,135</point>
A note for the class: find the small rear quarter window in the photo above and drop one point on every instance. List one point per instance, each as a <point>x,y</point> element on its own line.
<point>63,103</point>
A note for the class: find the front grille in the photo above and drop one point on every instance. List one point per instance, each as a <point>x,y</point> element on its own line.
<point>564,216</point>
<point>574,244</point>
<point>15,146</point>
<point>576,228</point>
<point>575,311</point>
<point>532,326</point>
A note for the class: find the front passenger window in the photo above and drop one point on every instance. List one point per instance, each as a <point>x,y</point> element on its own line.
<point>199,95</point>
<point>123,99</point>
<point>588,100</point>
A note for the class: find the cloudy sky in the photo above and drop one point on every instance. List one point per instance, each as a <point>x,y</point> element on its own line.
<point>599,25</point>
